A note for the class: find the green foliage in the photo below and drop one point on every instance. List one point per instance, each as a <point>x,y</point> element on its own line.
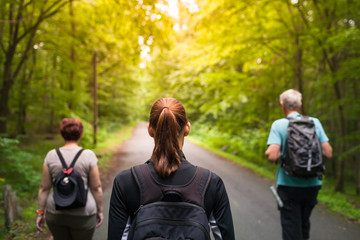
<point>346,203</point>
<point>338,203</point>
<point>248,146</point>
<point>262,170</point>
<point>236,57</point>
<point>56,78</point>
<point>18,168</point>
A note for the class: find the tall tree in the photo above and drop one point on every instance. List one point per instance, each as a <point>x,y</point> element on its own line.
<point>95,98</point>
<point>72,48</point>
<point>21,22</point>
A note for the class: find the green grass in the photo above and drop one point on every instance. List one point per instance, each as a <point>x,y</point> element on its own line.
<point>346,204</point>
<point>250,165</point>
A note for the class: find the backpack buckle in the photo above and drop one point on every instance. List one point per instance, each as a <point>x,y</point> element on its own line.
<point>67,171</point>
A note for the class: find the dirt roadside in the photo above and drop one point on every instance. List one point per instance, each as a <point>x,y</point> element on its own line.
<point>111,168</point>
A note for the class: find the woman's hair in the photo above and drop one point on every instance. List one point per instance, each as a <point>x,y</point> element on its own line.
<point>291,99</point>
<point>167,120</point>
<point>71,129</point>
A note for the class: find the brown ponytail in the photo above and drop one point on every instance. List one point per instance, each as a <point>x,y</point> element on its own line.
<point>167,119</point>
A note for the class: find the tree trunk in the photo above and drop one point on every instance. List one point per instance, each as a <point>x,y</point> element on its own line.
<point>5,90</point>
<point>18,31</point>
<point>339,187</point>
<point>95,124</point>
<point>333,129</point>
<point>52,97</point>
<point>24,82</point>
<point>11,206</point>
<point>22,107</point>
<point>72,52</point>
<point>298,70</point>
<point>357,159</point>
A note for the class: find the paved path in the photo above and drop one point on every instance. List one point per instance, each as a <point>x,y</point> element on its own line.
<point>253,207</point>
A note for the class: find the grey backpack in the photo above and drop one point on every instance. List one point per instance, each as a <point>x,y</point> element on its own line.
<point>303,149</point>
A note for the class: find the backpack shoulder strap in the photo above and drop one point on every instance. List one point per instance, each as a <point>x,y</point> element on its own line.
<point>149,190</point>
<point>205,183</point>
<point>302,117</point>
<point>195,191</point>
<point>61,159</point>
<point>76,158</point>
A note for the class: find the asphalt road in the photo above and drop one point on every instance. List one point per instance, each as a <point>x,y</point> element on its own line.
<point>253,207</point>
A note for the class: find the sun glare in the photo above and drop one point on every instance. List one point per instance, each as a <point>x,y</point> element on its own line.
<point>171,7</point>
<point>168,7</point>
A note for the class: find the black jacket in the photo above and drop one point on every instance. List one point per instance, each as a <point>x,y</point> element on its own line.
<point>125,199</point>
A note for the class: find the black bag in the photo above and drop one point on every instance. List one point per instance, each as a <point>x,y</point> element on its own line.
<point>303,149</point>
<point>69,189</point>
<point>170,212</point>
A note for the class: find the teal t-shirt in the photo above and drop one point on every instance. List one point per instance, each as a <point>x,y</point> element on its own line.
<point>278,135</point>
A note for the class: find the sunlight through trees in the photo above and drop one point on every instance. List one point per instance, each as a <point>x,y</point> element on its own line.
<point>227,61</point>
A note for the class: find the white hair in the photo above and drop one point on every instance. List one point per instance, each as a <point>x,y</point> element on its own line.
<point>291,99</point>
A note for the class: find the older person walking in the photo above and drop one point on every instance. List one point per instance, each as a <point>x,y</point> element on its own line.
<point>298,194</point>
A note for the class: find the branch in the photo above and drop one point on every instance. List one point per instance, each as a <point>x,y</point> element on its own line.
<point>11,24</point>
<point>52,6</point>
<point>29,15</point>
<point>2,46</point>
<point>318,9</point>
<point>27,80</point>
<point>25,54</point>
<point>2,31</point>
<point>109,68</point>
<point>44,15</point>
<point>319,41</point>
<point>55,11</point>
<point>32,31</point>
<point>28,3</point>
<point>303,18</point>
<point>17,23</point>
<point>284,23</point>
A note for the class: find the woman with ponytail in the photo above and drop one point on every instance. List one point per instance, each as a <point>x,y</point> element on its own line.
<point>168,168</point>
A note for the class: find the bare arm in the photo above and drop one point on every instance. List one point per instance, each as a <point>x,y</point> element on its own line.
<point>273,153</point>
<point>96,189</point>
<point>43,194</point>
<point>327,150</point>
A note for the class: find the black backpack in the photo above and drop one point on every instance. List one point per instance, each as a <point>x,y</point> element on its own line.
<point>170,212</point>
<point>69,189</point>
<point>303,149</point>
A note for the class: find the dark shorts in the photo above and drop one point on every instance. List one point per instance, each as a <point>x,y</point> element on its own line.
<point>67,227</point>
<point>295,214</point>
